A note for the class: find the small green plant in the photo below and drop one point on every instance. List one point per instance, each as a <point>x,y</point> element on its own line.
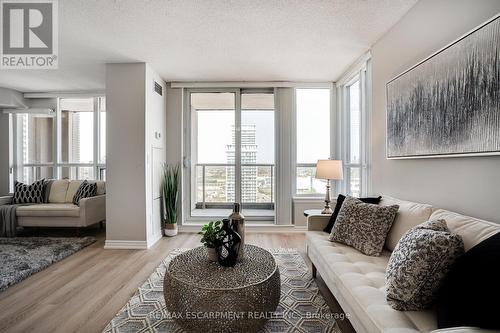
<point>170,193</point>
<point>212,233</point>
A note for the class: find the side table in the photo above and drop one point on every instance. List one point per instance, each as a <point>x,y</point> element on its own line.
<point>308,212</point>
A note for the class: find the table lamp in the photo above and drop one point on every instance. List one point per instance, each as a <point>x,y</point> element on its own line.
<point>329,170</point>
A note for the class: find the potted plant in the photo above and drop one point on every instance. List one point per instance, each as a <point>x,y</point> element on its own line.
<point>170,194</point>
<point>212,234</point>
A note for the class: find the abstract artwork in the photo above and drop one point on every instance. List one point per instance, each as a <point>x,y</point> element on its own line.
<point>449,104</point>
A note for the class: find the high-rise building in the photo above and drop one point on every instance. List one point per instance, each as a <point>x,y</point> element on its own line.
<point>248,172</point>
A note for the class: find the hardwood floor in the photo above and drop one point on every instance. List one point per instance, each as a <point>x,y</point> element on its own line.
<point>83,292</point>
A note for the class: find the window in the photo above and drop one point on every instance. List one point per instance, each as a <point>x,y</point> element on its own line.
<point>34,134</point>
<point>354,113</point>
<point>312,139</point>
<point>353,170</point>
<point>67,144</point>
<point>77,137</point>
<point>102,130</point>
<point>232,149</point>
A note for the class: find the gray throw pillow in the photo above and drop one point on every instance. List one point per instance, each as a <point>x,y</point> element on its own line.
<point>363,226</point>
<point>419,263</point>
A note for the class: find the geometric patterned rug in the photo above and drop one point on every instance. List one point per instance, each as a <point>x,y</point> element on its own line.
<point>301,309</point>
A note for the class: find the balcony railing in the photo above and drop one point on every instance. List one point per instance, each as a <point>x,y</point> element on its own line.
<point>30,172</point>
<point>216,187</point>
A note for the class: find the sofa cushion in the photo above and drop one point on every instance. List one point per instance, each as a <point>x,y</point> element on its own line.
<point>58,190</point>
<point>75,184</point>
<point>410,214</point>
<point>101,187</point>
<point>358,282</point>
<point>51,210</point>
<point>472,230</point>
<point>73,187</point>
<point>419,264</point>
<point>363,226</point>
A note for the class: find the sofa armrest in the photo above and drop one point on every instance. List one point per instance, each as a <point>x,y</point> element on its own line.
<point>5,200</point>
<point>317,222</point>
<point>93,209</point>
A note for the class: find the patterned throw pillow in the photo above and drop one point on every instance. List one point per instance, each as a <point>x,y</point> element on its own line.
<point>338,205</point>
<point>33,193</point>
<point>86,190</point>
<point>419,263</point>
<point>363,226</point>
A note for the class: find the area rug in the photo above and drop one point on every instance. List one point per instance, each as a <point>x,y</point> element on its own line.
<point>21,257</point>
<point>302,309</point>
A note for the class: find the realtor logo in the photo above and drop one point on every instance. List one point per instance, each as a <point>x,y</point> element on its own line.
<point>29,38</point>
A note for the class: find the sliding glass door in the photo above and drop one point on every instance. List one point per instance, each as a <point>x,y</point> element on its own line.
<point>232,153</point>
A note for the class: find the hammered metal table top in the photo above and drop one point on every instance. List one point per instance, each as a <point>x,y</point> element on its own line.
<point>193,268</point>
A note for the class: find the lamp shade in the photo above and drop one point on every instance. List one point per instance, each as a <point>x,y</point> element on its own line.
<point>329,169</point>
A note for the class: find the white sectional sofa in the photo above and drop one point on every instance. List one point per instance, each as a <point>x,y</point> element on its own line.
<point>60,210</point>
<point>358,281</point>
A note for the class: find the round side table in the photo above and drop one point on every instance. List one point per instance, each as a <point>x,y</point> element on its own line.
<point>203,296</point>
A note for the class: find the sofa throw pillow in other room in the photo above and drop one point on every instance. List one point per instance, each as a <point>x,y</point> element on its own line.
<point>33,193</point>
<point>471,289</point>
<point>86,190</point>
<point>419,263</point>
<point>363,226</point>
<point>338,205</point>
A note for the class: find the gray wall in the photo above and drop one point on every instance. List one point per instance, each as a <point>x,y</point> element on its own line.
<point>125,186</point>
<point>470,185</point>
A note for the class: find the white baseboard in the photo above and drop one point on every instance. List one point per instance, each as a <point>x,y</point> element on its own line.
<point>132,244</point>
<point>253,228</point>
<point>154,239</point>
<point>125,244</point>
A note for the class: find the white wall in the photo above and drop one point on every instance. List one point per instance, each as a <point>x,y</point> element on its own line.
<point>155,153</point>
<point>300,205</point>
<point>470,185</point>
<point>174,136</point>
<point>136,140</point>
<point>131,110</point>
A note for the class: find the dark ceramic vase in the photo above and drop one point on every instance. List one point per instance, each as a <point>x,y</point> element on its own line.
<point>228,248</point>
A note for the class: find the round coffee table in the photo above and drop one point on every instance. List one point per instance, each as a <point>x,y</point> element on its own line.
<point>203,296</point>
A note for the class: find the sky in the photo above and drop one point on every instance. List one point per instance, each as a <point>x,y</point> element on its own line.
<point>313,130</point>
<point>313,125</point>
<point>215,133</point>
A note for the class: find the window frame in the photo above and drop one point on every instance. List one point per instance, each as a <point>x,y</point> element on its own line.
<point>362,74</point>
<point>189,183</point>
<point>56,164</point>
<point>332,126</point>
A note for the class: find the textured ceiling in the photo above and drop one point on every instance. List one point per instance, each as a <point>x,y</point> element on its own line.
<point>216,40</point>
